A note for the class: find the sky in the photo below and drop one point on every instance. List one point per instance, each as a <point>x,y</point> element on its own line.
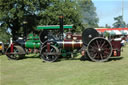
<point>108,9</point>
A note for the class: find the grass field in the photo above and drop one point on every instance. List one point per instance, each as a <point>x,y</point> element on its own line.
<point>32,71</point>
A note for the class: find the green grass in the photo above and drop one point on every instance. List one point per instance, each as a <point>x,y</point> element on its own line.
<point>32,71</point>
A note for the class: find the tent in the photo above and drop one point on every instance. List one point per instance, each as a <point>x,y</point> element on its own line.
<point>111,33</point>
<point>117,32</point>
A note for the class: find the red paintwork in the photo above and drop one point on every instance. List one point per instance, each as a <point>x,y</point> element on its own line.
<point>78,37</point>
<point>107,29</point>
<point>116,45</point>
<point>48,47</point>
<point>12,47</point>
<point>67,44</point>
<point>72,44</point>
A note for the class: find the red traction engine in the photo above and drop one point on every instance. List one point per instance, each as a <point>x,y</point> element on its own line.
<point>90,44</point>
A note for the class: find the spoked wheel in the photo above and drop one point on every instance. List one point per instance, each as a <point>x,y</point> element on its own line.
<point>99,49</point>
<point>17,54</point>
<point>50,56</point>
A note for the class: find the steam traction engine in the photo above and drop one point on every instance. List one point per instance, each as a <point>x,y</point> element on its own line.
<point>53,44</point>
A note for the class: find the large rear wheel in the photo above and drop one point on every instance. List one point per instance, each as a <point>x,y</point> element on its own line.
<point>99,49</point>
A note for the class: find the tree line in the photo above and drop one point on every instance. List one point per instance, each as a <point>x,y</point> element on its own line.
<point>15,15</point>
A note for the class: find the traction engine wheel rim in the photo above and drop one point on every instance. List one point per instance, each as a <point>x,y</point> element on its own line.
<point>50,58</point>
<point>15,56</point>
<point>99,49</point>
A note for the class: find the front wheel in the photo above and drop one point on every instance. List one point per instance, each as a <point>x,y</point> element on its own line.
<point>17,54</point>
<point>51,55</point>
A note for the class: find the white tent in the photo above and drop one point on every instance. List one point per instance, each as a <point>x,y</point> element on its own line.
<point>117,32</point>
<point>126,31</point>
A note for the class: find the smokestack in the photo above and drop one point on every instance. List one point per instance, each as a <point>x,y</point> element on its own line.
<point>25,29</point>
<point>61,26</point>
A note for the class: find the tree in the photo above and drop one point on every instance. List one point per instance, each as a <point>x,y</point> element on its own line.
<point>66,8</point>
<point>88,11</point>
<point>36,12</point>
<point>119,22</point>
<point>107,26</point>
<point>4,35</point>
<point>14,12</point>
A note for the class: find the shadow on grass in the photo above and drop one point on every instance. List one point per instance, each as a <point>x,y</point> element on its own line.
<point>82,58</point>
<point>31,56</point>
<point>115,58</point>
<point>109,60</point>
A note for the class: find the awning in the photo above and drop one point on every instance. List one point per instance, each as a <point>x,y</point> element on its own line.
<point>109,33</point>
<point>117,32</point>
<point>124,32</point>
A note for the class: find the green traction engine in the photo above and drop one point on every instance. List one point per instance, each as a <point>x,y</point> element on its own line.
<point>53,43</point>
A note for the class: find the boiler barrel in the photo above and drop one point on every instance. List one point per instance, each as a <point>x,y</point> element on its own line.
<point>70,44</point>
<point>32,44</point>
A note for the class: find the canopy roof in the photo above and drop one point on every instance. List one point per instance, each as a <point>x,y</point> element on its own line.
<point>54,27</point>
<point>109,32</point>
<point>124,32</point>
<point>110,29</point>
<point>113,31</point>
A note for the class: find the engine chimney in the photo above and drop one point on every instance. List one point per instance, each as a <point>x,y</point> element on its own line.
<point>61,26</point>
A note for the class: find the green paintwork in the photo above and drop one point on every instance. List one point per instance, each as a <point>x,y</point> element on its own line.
<point>32,44</point>
<point>54,27</point>
<point>63,51</point>
<point>32,41</point>
<point>32,37</point>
